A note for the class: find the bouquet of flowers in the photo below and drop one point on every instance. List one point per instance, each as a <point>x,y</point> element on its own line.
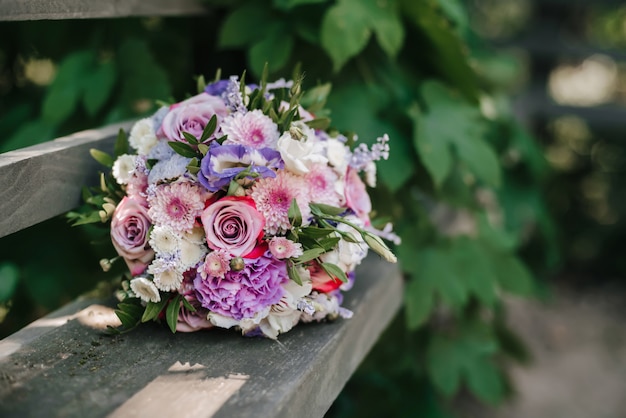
<point>238,208</point>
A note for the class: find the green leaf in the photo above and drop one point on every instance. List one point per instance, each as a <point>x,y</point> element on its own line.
<point>191,139</point>
<point>315,232</point>
<point>436,270</point>
<point>98,87</point>
<point>292,272</point>
<point>294,214</point>
<point>435,137</point>
<point>204,148</point>
<point>484,380</point>
<point>344,33</point>
<point>387,25</point>
<point>289,4</point>
<point>245,25</point>
<point>472,265</point>
<point>183,149</point>
<point>418,301</point>
<point>9,277</point>
<point>318,123</point>
<point>153,310</point>
<point>315,98</point>
<point>65,91</point>
<point>513,275</point>
<point>334,271</point>
<point>209,128</point>
<point>133,309</point>
<point>274,49</point>
<point>321,209</point>
<point>309,255</point>
<point>121,143</point>
<point>171,314</point>
<point>188,305</point>
<point>446,50</point>
<point>102,157</point>
<point>444,363</point>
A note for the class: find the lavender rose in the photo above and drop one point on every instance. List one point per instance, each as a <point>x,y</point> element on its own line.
<point>243,294</point>
<point>234,225</point>
<point>129,234</point>
<point>189,321</point>
<point>192,116</point>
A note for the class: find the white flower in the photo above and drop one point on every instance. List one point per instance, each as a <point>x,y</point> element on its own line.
<point>300,148</point>
<point>195,235</point>
<point>347,255</point>
<point>191,253</point>
<point>168,275</point>
<point>222,321</point>
<point>123,168</point>
<point>338,155</point>
<point>164,240</point>
<point>370,174</point>
<point>142,136</point>
<point>145,289</point>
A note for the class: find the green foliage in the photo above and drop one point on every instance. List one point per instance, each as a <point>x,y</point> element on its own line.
<point>400,67</point>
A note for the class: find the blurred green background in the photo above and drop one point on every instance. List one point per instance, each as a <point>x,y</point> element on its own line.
<point>506,169</point>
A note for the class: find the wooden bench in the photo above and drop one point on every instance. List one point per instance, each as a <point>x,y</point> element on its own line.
<point>64,365</point>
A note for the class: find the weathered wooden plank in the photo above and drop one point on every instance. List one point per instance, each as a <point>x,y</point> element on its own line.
<point>81,9</point>
<point>45,180</point>
<point>73,371</point>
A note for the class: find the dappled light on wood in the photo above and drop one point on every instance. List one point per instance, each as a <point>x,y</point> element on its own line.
<point>184,391</point>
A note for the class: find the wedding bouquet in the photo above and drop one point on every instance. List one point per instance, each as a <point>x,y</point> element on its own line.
<point>238,208</point>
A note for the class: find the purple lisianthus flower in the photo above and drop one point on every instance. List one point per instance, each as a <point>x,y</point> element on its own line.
<point>244,293</point>
<point>218,88</point>
<point>223,162</point>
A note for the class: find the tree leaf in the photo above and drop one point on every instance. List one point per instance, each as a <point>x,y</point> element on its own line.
<point>484,380</point>
<point>98,87</point>
<point>513,275</point>
<point>273,49</point>
<point>344,33</point>
<point>245,25</point>
<point>387,25</point>
<point>419,302</point>
<point>289,4</point>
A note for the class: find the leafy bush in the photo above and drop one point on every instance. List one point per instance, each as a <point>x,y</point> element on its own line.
<point>462,183</point>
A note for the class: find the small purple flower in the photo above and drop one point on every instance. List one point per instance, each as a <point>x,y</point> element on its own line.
<point>223,162</point>
<point>242,294</point>
<point>218,88</point>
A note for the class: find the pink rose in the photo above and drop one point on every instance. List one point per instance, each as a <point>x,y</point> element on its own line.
<point>192,116</point>
<point>129,234</point>
<point>357,198</point>
<point>234,225</point>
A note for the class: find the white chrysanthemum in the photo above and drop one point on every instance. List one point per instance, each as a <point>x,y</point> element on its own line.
<point>191,253</point>
<point>164,240</point>
<point>195,235</point>
<point>167,274</point>
<point>142,136</point>
<point>145,289</point>
<point>123,168</point>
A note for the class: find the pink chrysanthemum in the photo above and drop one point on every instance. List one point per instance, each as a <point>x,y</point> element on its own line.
<point>176,205</point>
<point>252,129</point>
<point>321,184</point>
<point>282,248</point>
<point>273,197</point>
<point>216,264</point>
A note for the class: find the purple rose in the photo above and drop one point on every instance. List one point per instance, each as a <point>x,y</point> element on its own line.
<point>224,162</point>
<point>233,224</point>
<point>189,321</point>
<point>129,234</point>
<point>242,294</point>
<point>192,116</point>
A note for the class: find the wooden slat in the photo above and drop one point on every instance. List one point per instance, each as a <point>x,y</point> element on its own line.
<point>71,370</point>
<point>42,181</point>
<point>82,9</point>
